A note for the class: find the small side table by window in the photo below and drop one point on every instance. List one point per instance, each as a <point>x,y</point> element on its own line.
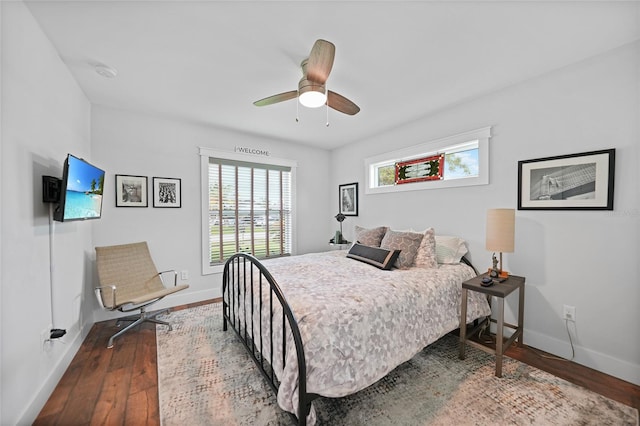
<point>344,245</point>
<point>500,291</point>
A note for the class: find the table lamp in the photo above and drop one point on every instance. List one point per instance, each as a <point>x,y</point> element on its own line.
<point>500,237</point>
<point>338,238</point>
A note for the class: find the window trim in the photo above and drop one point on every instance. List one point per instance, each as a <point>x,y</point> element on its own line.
<point>482,135</point>
<point>205,154</point>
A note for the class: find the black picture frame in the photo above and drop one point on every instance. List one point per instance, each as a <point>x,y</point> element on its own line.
<point>583,181</point>
<point>348,199</point>
<point>167,192</point>
<point>131,191</point>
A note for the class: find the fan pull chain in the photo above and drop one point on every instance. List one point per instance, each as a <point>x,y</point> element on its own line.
<point>297,106</point>
<point>327,115</point>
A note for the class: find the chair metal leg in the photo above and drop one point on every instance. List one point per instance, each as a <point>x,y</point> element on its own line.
<point>137,320</point>
<point>131,318</point>
<point>124,330</point>
<point>157,321</point>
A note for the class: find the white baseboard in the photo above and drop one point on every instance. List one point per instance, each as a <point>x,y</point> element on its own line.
<point>42,395</point>
<point>584,356</point>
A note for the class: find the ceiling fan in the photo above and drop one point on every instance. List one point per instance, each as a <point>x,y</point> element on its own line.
<point>311,91</point>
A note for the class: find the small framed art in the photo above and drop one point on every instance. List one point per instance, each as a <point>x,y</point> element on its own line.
<point>348,199</point>
<point>581,181</point>
<point>167,192</point>
<point>131,191</point>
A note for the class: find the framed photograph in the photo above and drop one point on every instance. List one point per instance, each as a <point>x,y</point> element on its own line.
<point>581,181</point>
<point>348,199</point>
<point>167,192</point>
<point>131,191</point>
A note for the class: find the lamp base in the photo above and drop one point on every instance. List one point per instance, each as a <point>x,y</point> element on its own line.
<point>494,273</point>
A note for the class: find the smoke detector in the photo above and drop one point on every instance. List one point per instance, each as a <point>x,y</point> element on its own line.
<point>106,71</point>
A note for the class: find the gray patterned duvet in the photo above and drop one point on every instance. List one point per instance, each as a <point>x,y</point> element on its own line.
<point>358,322</point>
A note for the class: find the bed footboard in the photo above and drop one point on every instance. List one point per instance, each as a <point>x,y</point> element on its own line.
<point>247,283</point>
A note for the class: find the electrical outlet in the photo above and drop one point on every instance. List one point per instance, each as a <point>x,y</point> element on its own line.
<point>569,313</point>
<point>184,275</point>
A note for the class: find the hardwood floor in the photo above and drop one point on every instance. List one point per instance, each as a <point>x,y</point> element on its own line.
<point>108,386</point>
<point>120,385</point>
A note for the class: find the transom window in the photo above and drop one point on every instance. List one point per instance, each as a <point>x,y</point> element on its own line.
<point>459,160</point>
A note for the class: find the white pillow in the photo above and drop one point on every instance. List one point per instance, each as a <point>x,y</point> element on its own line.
<point>450,249</point>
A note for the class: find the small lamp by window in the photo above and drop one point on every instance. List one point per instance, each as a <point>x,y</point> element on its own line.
<point>500,237</point>
<point>338,238</point>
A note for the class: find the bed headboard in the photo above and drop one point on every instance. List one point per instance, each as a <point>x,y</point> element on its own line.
<point>467,262</point>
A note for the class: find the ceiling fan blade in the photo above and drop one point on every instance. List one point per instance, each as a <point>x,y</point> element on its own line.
<point>320,61</point>
<point>342,104</point>
<point>280,97</point>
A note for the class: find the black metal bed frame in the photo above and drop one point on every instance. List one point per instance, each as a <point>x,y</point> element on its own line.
<point>242,272</point>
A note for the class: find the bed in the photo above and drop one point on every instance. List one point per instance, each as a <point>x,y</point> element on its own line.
<point>346,323</point>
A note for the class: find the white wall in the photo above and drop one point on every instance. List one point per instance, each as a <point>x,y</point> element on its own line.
<point>45,115</point>
<point>143,145</point>
<point>588,259</point>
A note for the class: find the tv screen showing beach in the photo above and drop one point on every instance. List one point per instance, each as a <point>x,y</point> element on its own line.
<point>83,192</point>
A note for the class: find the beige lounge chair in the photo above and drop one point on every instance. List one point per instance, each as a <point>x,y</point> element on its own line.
<point>130,281</point>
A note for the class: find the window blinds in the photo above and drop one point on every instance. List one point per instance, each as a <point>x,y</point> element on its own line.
<point>249,209</point>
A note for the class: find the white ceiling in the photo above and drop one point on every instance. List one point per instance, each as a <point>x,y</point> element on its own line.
<point>208,61</point>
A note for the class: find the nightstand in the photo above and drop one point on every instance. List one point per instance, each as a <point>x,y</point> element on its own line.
<point>344,245</point>
<point>500,291</point>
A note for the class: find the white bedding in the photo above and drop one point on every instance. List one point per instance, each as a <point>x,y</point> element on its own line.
<point>358,322</point>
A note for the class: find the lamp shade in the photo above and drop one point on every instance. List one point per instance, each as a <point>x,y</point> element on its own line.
<point>501,225</point>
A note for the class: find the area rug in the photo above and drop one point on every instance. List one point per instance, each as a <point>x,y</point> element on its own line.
<point>205,377</point>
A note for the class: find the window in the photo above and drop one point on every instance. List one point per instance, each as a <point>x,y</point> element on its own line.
<point>247,207</point>
<point>466,159</point>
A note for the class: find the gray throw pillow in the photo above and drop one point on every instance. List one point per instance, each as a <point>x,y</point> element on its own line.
<point>370,237</point>
<point>426,257</point>
<point>408,244</point>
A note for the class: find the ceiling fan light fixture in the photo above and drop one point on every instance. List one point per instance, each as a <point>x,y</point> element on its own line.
<point>311,95</point>
<point>313,99</point>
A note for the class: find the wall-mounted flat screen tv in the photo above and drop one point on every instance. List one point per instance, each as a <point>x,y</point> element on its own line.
<point>80,192</point>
